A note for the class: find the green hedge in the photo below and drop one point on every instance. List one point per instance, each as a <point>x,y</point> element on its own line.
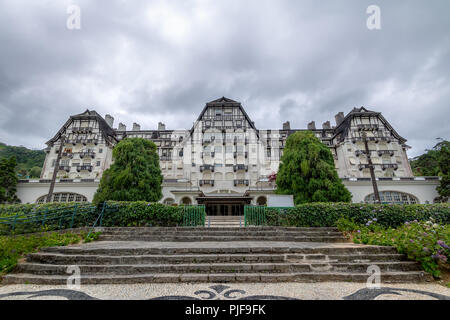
<point>141,214</point>
<point>12,209</point>
<point>327,214</point>
<point>47,218</point>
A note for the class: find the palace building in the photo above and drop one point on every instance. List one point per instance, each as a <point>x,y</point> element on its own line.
<point>224,161</point>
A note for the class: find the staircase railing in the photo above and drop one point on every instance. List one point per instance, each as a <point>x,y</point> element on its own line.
<point>254,215</point>
<point>47,219</point>
<point>194,216</point>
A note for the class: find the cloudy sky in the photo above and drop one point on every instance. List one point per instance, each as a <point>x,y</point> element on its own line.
<point>151,61</point>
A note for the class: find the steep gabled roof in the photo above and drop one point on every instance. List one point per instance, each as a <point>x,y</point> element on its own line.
<point>108,133</point>
<point>344,126</point>
<point>226,102</point>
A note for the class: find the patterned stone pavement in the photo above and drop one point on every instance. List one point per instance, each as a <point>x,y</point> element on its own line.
<point>239,291</point>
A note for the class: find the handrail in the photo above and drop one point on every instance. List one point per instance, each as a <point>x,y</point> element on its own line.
<point>57,218</point>
<point>100,217</point>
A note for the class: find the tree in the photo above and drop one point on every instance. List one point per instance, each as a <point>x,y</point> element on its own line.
<point>444,171</point>
<point>135,174</point>
<point>35,172</point>
<point>307,171</point>
<point>8,180</point>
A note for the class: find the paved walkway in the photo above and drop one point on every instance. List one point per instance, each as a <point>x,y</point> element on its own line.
<point>238,291</point>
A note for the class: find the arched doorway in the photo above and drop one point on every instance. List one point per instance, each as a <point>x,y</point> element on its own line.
<point>261,201</point>
<point>186,201</point>
<point>168,201</point>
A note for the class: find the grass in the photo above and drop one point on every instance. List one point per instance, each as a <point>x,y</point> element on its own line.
<point>14,248</point>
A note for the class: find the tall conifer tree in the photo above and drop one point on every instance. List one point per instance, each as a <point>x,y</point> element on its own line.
<point>307,171</point>
<point>135,174</point>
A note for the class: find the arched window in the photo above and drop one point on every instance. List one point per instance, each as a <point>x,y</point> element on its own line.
<point>395,197</point>
<point>186,201</point>
<point>261,201</point>
<point>63,197</point>
<point>168,201</point>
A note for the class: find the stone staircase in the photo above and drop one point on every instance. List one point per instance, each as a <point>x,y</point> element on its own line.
<point>224,221</point>
<point>188,234</point>
<point>255,254</point>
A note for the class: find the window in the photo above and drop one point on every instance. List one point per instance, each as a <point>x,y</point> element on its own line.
<point>392,197</point>
<point>100,150</point>
<point>98,163</point>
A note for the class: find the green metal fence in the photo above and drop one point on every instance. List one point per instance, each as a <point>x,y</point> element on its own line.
<point>194,216</point>
<point>254,216</point>
<point>257,215</point>
<point>48,219</point>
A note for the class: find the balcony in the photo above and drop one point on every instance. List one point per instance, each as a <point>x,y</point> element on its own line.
<point>206,182</point>
<point>84,168</point>
<point>382,152</point>
<point>240,167</point>
<point>389,166</point>
<point>240,154</point>
<point>67,155</point>
<point>64,168</point>
<point>364,166</point>
<point>208,154</point>
<point>367,127</point>
<point>207,167</point>
<point>374,139</point>
<point>87,154</point>
<point>165,158</point>
<point>241,183</point>
<point>82,129</point>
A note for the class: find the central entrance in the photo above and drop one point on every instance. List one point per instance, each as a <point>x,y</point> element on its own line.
<point>224,204</point>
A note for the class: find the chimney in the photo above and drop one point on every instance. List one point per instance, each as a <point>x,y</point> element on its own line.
<point>161,126</point>
<point>122,127</point>
<point>326,125</point>
<point>109,120</point>
<point>312,125</point>
<point>339,118</point>
<point>136,127</point>
<point>286,126</point>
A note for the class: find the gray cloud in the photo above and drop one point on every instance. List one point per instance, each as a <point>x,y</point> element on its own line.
<point>151,61</point>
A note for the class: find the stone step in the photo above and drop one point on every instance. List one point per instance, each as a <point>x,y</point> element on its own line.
<point>51,258</point>
<point>186,238</point>
<point>51,269</point>
<point>222,233</point>
<point>252,228</point>
<point>220,249</point>
<point>386,277</point>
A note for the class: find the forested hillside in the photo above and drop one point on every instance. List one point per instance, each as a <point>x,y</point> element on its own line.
<point>29,162</point>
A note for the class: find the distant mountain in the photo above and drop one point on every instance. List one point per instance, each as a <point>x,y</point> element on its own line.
<point>29,162</point>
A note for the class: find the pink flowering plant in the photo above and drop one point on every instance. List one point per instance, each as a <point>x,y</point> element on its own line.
<point>424,241</point>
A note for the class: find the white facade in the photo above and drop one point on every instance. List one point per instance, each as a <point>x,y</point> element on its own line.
<point>224,156</point>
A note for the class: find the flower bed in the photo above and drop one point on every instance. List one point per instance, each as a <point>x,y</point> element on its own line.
<point>424,241</point>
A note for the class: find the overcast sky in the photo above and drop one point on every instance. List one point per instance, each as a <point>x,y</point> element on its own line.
<point>151,61</point>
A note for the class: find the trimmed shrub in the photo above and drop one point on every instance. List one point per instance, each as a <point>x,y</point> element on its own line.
<point>327,214</point>
<point>142,213</point>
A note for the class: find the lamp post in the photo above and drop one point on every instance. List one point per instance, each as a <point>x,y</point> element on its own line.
<point>371,168</point>
<point>55,171</point>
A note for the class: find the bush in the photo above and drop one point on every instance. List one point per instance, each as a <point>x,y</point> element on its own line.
<point>46,217</point>
<point>327,214</point>
<point>424,241</point>
<point>141,214</point>
<point>12,248</point>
